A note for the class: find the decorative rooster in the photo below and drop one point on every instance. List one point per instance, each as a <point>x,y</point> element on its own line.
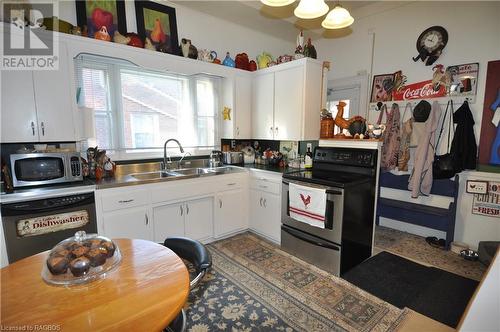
<point>441,77</point>
<point>346,123</point>
<point>306,200</point>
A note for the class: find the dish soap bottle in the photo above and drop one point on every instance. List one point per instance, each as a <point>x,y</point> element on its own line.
<point>308,158</point>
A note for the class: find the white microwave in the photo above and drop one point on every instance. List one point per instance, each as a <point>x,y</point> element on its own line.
<point>35,169</point>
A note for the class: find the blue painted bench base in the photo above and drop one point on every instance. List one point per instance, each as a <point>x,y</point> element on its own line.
<point>441,219</point>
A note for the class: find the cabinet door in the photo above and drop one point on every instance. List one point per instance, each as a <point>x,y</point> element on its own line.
<point>53,100</point>
<point>131,223</point>
<point>288,103</point>
<point>272,211</point>
<point>198,222</point>
<point>265,214</point>
<point>242,107</point>
<point>230,212</point>
<point>18,117</point>
<point>168,221</point>
<point>263,106</point>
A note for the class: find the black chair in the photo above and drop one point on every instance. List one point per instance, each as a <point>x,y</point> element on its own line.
<point>196,253</point>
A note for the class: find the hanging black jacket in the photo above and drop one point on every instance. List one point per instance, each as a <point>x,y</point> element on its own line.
<point>463,146</point>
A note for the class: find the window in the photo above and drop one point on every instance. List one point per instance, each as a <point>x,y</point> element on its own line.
<point>137,110</point>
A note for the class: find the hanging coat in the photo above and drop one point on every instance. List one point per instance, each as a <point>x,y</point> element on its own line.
<point>420,182</point>
<point>464,147</point>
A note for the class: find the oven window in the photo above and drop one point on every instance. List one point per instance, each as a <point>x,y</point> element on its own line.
<point>39,169</point>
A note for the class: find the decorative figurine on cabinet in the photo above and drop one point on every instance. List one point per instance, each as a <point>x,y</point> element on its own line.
<point>310,50</point>
<point>102,34</point>
<point>264,59</point>
<point>120,39</point>
<point>188,49</point>
<point>228,61</point>
<point>148,44</point>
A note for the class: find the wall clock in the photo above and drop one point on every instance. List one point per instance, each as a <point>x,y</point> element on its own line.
<point>430,44</point>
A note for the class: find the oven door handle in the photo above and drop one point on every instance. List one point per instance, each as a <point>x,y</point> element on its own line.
<point>300,236</point>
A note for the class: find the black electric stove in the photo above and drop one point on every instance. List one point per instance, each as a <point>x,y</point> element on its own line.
<point>348,176</point>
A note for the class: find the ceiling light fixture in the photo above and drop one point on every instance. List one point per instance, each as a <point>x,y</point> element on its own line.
<point>309,9</point>
<point>277,3</point>
<point>337,18</point>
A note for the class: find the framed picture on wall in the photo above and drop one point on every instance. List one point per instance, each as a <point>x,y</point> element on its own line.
<point>98,13</point>
<point>382,88</point>
<point>158,23</point>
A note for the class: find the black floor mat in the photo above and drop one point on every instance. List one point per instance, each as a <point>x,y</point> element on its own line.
<point>432,292</point>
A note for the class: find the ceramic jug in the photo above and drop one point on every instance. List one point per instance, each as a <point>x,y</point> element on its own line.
<point>102,34</point>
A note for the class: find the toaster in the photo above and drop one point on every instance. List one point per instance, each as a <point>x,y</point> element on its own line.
<point>232,158</point>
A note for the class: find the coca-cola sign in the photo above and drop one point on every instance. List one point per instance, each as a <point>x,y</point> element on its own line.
<point>420,90</point>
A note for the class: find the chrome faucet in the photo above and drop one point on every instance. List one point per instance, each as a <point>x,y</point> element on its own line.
<point>165,156</point>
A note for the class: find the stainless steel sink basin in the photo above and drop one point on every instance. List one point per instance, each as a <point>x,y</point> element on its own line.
<point>193,171</point>
<point>153,175</point>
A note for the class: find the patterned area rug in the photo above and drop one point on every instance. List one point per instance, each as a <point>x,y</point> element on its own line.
<point>254,286</point>
<point>415,248</point>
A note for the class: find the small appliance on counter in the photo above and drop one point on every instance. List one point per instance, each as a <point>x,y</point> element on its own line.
<point>232,158</point>
<point>248,155</point>
<point>215,158</point>
<point>34,169</point>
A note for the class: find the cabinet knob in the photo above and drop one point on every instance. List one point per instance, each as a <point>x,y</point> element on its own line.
<point>182,210</point>
<point>187,209</point>
<point>220,203</point>
<point>43,128</point>
<point>265,202</point>
<point>238,131</point>
<point>146,218</point>
<point>33,128</point>
<point>261,201</point>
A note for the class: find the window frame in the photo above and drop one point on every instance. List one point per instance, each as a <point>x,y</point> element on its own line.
<point>113,68</point>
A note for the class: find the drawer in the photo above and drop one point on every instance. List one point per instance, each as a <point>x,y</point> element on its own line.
<point>228,182</point>
<point>266,185</point>
<point>125,198</point>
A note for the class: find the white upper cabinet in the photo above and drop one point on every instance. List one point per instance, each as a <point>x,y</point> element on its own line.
<point>53,101</point>
<point>243,106</point>
<point>263,106</point>
<point>18,117</point>
<point>37,104</point>
<point>287,101</point>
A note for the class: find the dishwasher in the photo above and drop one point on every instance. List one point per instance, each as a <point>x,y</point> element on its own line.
<point>33,226</point>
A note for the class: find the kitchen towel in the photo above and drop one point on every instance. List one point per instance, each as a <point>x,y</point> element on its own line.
<point>307,204</point>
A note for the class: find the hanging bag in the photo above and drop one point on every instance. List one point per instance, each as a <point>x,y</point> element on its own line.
<point>390,147</point>
<point>404,148</point>
<point>442,166</point>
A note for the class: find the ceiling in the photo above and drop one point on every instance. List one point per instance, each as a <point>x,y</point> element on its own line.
<point>276,21</point>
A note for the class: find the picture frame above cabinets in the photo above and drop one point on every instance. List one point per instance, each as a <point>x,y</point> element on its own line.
<point>98,13</point>
<point>158,23</point>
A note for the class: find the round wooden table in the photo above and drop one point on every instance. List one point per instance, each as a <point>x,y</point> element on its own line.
<point>145,293</point>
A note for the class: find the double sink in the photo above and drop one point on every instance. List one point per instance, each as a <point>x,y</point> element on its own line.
<point>182,173</point>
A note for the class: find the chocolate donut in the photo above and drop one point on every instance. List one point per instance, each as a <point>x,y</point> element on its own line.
<point>79,266</point>
<point>97,256</point>
<point>57,264</point>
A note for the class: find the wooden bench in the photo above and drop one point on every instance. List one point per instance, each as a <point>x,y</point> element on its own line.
<point>438,218</point>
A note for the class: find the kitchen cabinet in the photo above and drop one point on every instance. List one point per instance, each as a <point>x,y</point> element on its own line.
<point>37,105</point>
<point>265,204</point>
<point>243,107</point>
<point>263,106</point>
<point>230,212</point>
<point>192,219</point>
<point>286,101</point>
<point>132,223</point>
<point>168,221</point>
<point>265,214</point>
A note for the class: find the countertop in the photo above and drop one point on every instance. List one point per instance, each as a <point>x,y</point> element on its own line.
<point>126,180</point>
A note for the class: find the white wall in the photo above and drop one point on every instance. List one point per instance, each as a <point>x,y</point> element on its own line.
<point>474,36</point>
<point>205,31</point>
<point>482,314</point>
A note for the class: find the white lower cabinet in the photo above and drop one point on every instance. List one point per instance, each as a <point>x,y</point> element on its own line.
<point>168,221</point>
<point>265,214</point>
<point>191,219</point>
<point>133,223</point>
<point>230,212</point>
<point>198,219</point>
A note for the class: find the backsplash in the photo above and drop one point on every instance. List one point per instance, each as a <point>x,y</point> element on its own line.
<point>287,148</point>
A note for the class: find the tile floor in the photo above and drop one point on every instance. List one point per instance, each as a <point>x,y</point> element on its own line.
<point>415,248</point>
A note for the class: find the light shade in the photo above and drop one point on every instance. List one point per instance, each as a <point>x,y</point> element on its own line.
<point>311,9</point>
<point>277,3</point>
<point>338,18</point>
